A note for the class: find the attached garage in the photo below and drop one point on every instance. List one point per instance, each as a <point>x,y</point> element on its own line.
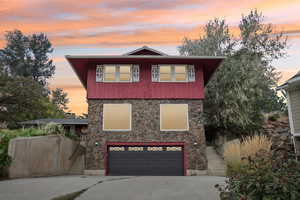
<point>137,159</point>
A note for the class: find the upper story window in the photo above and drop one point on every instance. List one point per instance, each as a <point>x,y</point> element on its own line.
<point>117,73</point>
<point>114,73</point>
<point>173,73</point>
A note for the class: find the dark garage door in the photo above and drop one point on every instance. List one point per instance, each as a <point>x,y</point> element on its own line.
<point>145,160</point>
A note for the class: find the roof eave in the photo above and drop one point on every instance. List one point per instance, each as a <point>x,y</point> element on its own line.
<point>141,56</point>
<point>292,82</point>
<point>79,77</point>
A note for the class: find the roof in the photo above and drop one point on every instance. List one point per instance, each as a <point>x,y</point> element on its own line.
<point>144,56</point>
<point>294,80</point>
<point>80,63</point>
<point>57,121</point>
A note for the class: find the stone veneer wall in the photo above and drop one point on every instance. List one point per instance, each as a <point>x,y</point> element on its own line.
<point>145,128</point>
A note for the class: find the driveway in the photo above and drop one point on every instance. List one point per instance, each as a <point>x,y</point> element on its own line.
<point>112,188</point>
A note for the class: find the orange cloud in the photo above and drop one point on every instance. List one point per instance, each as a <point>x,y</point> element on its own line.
<point>161,36</point>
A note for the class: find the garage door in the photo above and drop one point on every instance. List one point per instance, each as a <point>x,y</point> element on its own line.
<point>145,160</point>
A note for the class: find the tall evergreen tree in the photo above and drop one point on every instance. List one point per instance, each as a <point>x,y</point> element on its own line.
<point>60,99</point>
<point>27,56</point>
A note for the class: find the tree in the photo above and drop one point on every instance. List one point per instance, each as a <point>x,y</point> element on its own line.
<point>217,41</point>
<point>236,95</point>
<point>60,100</point>
<point>27,56</point>
<point>22,98</point>
<point>24,70</point>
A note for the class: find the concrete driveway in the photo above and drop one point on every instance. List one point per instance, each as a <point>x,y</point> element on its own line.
<point>112,188</point>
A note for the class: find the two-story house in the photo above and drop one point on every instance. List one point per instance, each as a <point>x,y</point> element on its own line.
<point>145,112</point>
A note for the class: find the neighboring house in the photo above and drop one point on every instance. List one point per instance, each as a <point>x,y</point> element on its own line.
<point>145,112</point>
<point>292,88</point>
<point>78,126</point>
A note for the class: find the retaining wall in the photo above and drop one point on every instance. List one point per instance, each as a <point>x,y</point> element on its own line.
<point>45,156</point>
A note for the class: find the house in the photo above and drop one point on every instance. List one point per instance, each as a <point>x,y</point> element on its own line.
<point>145,112</point>
<point>78,126</point>
<point>292,89</point>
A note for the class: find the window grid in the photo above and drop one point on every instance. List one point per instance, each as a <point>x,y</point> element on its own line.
<point>117,74</point>
<point>173,74</point>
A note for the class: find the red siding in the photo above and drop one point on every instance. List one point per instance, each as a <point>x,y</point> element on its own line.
<point>145,88</point>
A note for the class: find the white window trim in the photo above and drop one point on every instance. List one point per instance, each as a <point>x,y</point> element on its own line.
<point>290,113</point>
<point>173,77</point>
<point>117,73</point>
<point>114,130</point>
<point>187,116</point>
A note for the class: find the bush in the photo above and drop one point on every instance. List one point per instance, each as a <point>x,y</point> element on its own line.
<point>251,145</point>
<point>266,176</point>
<point>53,128</point>
<point>4,157</point>
<point>234,152</point>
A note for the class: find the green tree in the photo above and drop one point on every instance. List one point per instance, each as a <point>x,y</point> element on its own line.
<point>24,70</point>
<point>60,99</point>
<point>22,98</point>
<point>236,95</point>
<point>27,56</point>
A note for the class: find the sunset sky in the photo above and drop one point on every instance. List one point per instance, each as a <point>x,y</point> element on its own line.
<point>117,26</point>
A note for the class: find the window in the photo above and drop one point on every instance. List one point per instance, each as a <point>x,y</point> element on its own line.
<point>117,73</point>
<point>110,73</point>
<point>175,73</point>
<point>165,73</point>
<point>125,73</point>
<point>117,117</point>
<point>180,73</point>
<point>174,117</point>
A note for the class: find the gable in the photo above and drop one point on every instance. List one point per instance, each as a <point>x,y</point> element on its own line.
<point>143,51</point>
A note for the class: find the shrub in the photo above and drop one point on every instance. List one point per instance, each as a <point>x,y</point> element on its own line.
<point>4,157</point>
<point>253,144</point>
<point>266,176</point>
<point>234,152</point>
<point>53,128</point>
